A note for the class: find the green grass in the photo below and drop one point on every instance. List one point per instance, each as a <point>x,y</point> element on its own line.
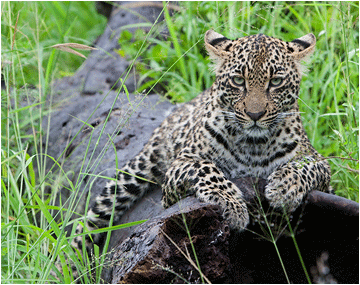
<point>39,25</point>
<point>177,65</point>
<point>31,239</point>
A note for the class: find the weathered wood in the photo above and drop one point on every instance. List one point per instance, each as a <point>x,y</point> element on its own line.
<point>156,251</point>
<point>159,251</point>
<point>346,206</point>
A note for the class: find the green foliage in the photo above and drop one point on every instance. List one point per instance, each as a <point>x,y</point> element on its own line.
<point>31,239</point>
<point>29,29</point>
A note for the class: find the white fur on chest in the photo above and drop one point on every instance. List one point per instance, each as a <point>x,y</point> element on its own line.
<point>242,158</point>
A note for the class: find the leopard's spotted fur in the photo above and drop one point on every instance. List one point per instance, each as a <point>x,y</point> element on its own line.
<point>246,124</point>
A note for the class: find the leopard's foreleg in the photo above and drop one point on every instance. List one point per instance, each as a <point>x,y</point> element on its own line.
<point>203,179</point>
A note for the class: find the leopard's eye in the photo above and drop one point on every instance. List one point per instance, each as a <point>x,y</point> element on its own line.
<point>238,81</point>
<point>276,81</point>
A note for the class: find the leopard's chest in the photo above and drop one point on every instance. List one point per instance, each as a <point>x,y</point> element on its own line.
<point>249,160</point>
<point>238,155</point>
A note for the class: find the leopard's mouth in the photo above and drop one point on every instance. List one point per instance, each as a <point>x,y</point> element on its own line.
<point>255,126</point>
<point>256,130</point>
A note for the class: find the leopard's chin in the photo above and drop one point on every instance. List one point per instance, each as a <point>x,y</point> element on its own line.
<point>257,131</point>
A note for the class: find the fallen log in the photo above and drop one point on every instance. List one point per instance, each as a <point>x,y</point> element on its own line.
<point>160,251</point>
<point>323,231</point>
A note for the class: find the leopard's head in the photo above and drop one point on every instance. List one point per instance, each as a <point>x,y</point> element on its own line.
<point>258,77</point>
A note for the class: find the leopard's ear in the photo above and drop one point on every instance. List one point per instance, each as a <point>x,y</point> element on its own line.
<point>301,49</point>
<point>218,46</point>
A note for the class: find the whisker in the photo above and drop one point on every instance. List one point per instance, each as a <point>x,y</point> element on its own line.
<point>285,114</point>
<point>227,112</point>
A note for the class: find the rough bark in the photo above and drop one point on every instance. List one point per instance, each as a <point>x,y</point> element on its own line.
<point>325,230</point>
<point>160,251</point>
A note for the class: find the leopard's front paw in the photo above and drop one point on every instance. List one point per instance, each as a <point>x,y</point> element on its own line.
<point>284,191</point>
<point>237,216</point>
<point>234,208</point>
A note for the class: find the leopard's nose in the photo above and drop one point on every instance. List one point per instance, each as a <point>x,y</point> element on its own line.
<point>255,116</point>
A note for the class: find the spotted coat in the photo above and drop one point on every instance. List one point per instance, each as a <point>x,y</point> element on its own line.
<point>247,124</point>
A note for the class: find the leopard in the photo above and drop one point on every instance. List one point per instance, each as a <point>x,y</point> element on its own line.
<point>247,123</point>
